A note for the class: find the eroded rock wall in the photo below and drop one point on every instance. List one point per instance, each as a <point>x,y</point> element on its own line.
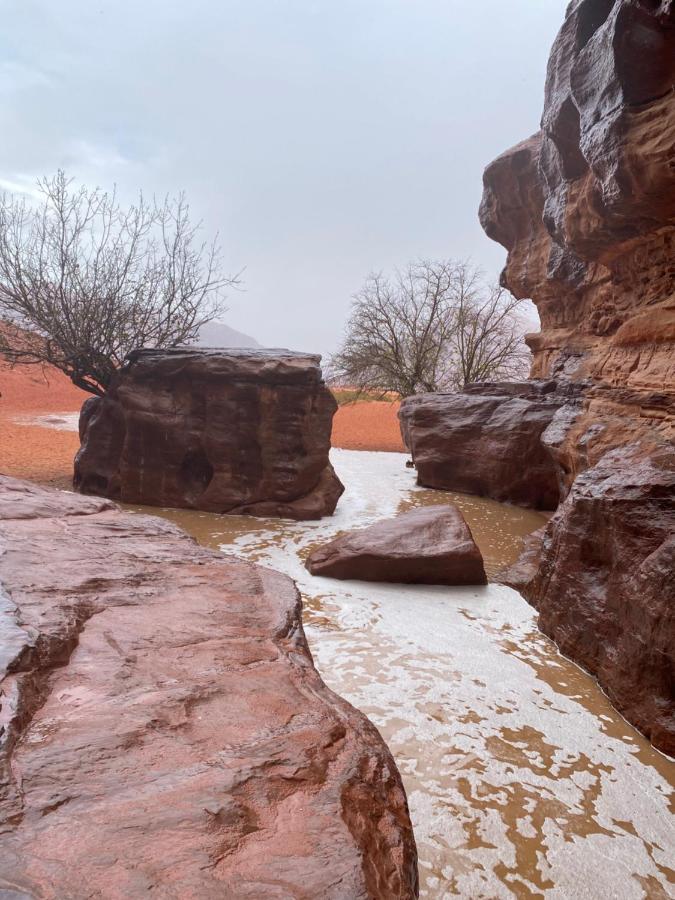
<point>586,210</point>
<point>227,431</point>
<point>602,575</point>
<point>163,728</point>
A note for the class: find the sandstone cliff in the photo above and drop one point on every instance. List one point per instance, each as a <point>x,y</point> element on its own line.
<point>604,584</point>
<point>586,211</point>
<point>227,431</point>
<point>163,728</point>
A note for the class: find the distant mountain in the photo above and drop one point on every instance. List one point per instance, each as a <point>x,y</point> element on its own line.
<point>217,334</point>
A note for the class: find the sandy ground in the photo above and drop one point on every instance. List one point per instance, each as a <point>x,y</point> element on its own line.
<point>46,454</point>
<point>367,425</point>
<point>27,451</point>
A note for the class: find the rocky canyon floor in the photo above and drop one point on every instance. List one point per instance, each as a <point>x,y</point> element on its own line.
<point>522,779</point>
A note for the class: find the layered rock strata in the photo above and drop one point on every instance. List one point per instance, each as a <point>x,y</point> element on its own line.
<point>229,431</point>
<point>433,545</point>
<point>586,211</point>
<point>164,729</point>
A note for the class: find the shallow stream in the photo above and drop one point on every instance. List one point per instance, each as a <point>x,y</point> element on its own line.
<point>522,779</point>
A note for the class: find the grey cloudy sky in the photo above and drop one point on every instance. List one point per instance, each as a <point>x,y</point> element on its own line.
<point>322,139</point>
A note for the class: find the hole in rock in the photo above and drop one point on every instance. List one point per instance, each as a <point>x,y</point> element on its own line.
<point>94,484</point>
<point>195,472</point>
<point>592,14</point>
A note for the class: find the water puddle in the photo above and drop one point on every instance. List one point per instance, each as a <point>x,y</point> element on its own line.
<point>522,779</point>
<point>67,421</point>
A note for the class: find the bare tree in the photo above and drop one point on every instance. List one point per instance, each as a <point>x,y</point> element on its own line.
<point>487,341</point>
<point>84,281</point>
<point>397,331</point>
<point>434,326</point>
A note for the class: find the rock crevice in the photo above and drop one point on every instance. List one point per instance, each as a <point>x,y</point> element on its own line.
<point>156,688</point>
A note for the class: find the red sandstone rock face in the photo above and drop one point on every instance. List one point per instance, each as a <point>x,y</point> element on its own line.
<point>487,440</point>
<point>520,575</point>
<point>605,589</point>
<point>164,729</point>
<point>586,209</point>
<point>433,545</point>
<point>229,431</point>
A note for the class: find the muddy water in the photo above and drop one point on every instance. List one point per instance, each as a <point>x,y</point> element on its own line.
<point>66,421</point>
<point>522,779</point>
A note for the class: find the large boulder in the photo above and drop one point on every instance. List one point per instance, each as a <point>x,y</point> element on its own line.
<point>164,730</point>
<point>229,431</point>
<point>487,440</point>
<point>431,545</point>
<point>603,580</point>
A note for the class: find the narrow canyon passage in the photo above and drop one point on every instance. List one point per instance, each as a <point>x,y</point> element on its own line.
<point>522,779</point>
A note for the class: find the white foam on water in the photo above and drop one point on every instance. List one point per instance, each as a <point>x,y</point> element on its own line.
<point>66,421</point>
<point>522,780</point>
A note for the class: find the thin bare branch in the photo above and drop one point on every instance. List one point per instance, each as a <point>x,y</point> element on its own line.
<point>434,326</point>
<point>84,281</point>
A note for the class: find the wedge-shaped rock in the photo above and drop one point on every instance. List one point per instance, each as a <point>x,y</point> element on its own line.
<point>432,545</point>
<point>163,729</point>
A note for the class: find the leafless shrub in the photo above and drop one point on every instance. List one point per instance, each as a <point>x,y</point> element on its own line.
<point>434,326</point>
<point>84,281</point>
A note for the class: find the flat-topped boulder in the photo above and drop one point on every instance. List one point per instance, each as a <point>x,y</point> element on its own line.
<point>430,545</point>
<point>487,440</point>
<point>229,431</point>
<point>163,729</point>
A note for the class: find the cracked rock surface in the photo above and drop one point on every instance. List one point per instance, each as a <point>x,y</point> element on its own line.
<point>162,726</point>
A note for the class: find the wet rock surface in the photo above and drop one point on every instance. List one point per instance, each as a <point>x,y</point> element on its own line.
<point>586,210</point>
<point>604,586</point>
<point>520,774</point>
<point>520,574</point>
<point>164,728</point>
<point>487,440</point>
<point>231,431</point>
<point>431,545</point>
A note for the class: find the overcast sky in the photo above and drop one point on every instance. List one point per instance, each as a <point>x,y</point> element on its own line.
<point>322,139</point>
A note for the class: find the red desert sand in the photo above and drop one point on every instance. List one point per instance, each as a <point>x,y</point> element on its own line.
<point>46,454</point>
